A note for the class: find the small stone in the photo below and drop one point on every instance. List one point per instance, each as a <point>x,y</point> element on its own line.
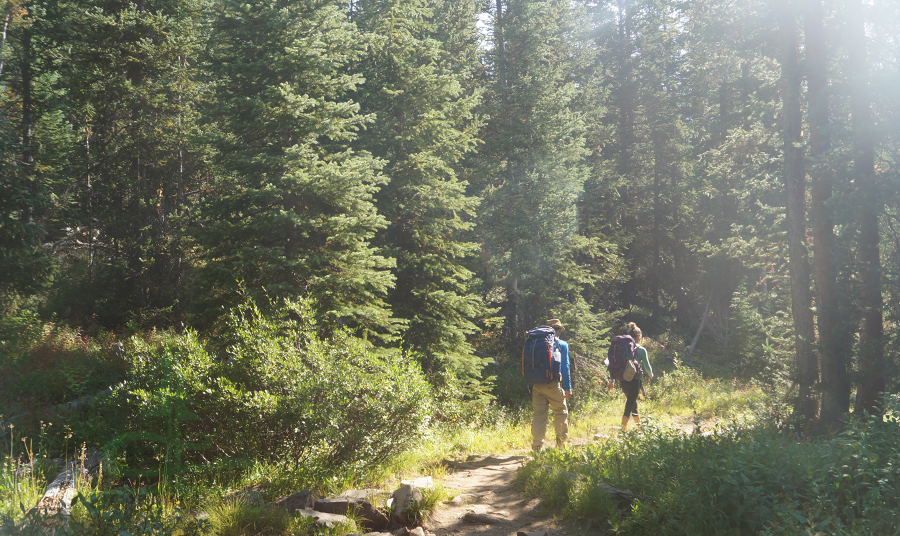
<point>533,505</point>
<point>463,498</point>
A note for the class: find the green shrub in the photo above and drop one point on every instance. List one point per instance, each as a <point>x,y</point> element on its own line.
<point>110,513</point>
<point>278,394</point>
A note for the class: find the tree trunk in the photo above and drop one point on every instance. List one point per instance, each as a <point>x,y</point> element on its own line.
<point>827,317</point>
<point>624,98</point>
<point>27,125</point>
<point>795,187</point>
<point>871,364</point>
<point>658,151</point>
<point>6,21</point>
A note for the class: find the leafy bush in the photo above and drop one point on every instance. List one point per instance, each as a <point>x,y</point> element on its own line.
<point>279,393</point>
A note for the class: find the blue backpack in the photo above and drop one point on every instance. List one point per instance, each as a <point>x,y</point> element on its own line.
<point>540,356</point>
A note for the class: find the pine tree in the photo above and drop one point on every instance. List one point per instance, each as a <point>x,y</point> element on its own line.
<point>418,87</point>
<point>292,211</point>
<point>534,166</point>
<point>795,189</point>
<point>24,265</point>
<point>119,87</point>
<point>871,362</point>
<point>644,165</point>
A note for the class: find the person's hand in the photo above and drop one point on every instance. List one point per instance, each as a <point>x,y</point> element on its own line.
<point>610,385</point>
<point>651,376</point>
<point>568,394</point>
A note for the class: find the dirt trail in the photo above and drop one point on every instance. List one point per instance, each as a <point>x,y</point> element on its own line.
<point>486,492</point>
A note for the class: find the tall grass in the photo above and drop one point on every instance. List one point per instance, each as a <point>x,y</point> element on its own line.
<point>22,476</point>
<point>758,480</point>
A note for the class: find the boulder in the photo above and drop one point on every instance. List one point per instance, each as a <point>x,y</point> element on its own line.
<point>254,495</point>
<point>464,498</point>
<point>624,497</point>
<point>370,517</point>
<point>362,494</point>
<point>61,492</point>
<point>482,519</point>
<point>301,500</point>
<point>403,499</point>
<point>323,519</point>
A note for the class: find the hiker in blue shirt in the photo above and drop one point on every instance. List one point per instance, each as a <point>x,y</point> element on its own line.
<point>553,395</point>
<point>633,388</point>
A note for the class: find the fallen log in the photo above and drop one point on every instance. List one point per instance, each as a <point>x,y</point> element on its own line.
<point>58,497</point>
<point>624,498</point>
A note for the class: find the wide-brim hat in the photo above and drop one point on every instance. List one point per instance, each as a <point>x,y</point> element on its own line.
<point>555,323</point>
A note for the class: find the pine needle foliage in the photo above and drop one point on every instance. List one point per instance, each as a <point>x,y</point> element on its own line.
<point>420,91</point>
<point>293,207</point>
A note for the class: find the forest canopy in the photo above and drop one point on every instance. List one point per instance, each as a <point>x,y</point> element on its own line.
<point>438,176</point>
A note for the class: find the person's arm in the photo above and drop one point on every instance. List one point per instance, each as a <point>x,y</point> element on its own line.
<point>564,369</point>
<point>645,361</point>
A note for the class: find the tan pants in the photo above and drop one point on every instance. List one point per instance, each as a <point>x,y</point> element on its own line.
<point>546,396</point>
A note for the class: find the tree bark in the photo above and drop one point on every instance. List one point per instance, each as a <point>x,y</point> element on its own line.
<point>658,151</point>
<point>834,333</point>
<point>27,125</point>
<point>624,98</point>
<point>871,363</point>
<point>795,188</point>
<point>823,225</point>
<point>6,21</point>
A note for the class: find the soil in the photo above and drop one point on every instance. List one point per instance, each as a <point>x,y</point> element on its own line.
<point>486,492</point>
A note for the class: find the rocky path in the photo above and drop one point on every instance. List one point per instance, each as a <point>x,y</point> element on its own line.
<point>488,503</point>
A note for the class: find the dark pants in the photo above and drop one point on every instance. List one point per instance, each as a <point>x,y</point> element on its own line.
<point>631,390</point>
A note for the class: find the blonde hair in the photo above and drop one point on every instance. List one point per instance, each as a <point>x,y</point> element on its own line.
<point>634,331</point>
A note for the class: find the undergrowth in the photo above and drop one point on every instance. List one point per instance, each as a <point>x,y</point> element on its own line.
<point>737,480</point>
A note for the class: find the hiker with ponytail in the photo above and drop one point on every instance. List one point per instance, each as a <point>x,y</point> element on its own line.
<point>627,363</point>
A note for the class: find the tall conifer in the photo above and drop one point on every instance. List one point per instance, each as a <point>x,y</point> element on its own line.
<point>117,113</point>
<point>534,162</point>
<point>292,211</point>
<point>418,86</point>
